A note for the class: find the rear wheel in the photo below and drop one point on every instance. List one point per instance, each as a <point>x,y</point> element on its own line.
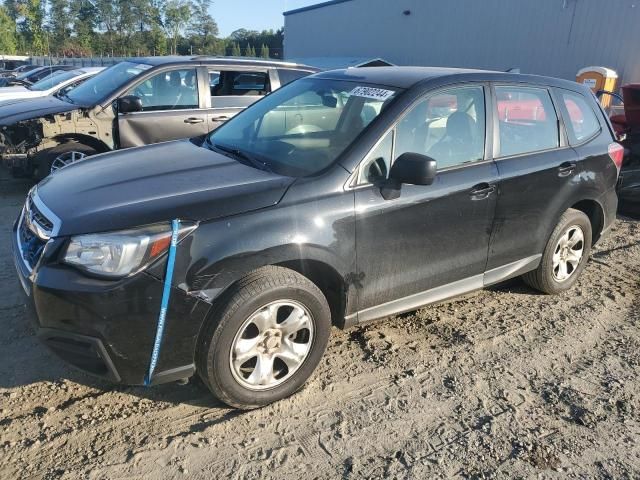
<point>265,338</point>
<point>53,159</point>
<point>565,255</point>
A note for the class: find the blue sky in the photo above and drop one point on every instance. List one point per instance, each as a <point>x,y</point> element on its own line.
<point>253,14</point>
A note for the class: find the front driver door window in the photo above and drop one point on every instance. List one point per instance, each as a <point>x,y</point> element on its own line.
<point>434,235</point>
<point>170,109</point>
<point>449,127</point>
<point>168,90</point>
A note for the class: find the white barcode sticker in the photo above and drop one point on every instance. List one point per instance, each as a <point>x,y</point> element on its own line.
<point>371,92</point>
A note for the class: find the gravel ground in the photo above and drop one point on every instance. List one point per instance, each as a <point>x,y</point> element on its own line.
<point>506,383</point>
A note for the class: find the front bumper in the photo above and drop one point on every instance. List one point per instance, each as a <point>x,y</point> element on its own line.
<point>107,328</point>
<point>16,162</point>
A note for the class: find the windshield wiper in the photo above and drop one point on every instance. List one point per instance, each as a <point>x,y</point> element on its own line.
<point>236,152</point>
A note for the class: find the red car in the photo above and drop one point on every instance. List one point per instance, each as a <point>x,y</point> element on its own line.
<point>627,126</point>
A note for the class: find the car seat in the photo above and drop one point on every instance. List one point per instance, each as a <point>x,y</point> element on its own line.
<point>458,143</point>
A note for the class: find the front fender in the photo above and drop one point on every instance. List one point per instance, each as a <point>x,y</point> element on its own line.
<point>221,252</point>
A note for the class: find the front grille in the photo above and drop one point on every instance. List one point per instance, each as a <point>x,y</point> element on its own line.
<point>31,246</point>
<point>38,217</point>
<point>33,232</point>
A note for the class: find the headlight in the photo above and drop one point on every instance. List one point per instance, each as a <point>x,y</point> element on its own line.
<point>123,253</point>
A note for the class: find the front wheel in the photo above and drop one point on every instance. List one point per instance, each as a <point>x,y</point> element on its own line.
<point>265,339</point>
<point>565,255</point>
<point>53,159</point>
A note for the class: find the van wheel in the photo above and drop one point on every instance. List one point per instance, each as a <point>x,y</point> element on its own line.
<point>265,338</point>
<point>564,256</point>
<point>52,159</point>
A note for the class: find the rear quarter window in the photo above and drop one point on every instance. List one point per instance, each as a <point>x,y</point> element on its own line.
<point>581,121</point>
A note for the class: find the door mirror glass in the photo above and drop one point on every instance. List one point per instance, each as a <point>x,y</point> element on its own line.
<point>129,104</point>
<point>413,169</point>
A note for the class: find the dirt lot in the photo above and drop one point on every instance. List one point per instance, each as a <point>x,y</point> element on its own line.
<point>504,384</point>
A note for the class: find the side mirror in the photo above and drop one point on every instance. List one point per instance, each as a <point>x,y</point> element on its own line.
<point>413,169</point>
<point>129,104</point>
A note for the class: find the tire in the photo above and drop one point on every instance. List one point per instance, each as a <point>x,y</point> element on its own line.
<point>45,159</point>
<point>548,277</point>
<point>268,293</point>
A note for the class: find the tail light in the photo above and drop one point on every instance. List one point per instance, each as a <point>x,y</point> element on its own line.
<point>616,153</point>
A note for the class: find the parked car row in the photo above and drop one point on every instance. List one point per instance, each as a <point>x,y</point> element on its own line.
<point>338,199</point>
<point>58,83</point>
<point>134,103</point>
<point>31,76</point>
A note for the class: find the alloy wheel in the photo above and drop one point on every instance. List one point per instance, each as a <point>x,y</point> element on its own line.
<point>66,158</point>
<point>271,345</point>
<point>568,253</point>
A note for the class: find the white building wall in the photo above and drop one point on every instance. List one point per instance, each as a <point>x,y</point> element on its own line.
<point>546,37</point>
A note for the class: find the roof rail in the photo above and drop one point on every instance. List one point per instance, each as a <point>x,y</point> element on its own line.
<point>241,59</point>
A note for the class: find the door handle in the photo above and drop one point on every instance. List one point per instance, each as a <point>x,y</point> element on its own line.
<point>482,191</point>
<point>566,169</point>
<point>193,120</point>
<point>222,118</point>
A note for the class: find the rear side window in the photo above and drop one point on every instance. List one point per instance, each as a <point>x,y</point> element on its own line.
<point>288,76</point>
<point>582,123</point>
<point>237,89</point>
<point>527,120</point>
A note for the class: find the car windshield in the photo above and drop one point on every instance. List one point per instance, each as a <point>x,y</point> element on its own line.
<point>55,79</point>
<point>25,75</point>
<point>97,88</point>
<point>303,127</point>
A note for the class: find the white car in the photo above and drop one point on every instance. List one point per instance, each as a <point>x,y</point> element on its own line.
<point>59,82</point>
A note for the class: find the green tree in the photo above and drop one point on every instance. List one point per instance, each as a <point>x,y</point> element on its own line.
<point>157,41</point>
<point>83,17</point>
<point>32,13</point>
<point>272,39</point>
<point>176,18</point>
<point>59,22</point>
<point>264,51</point>
<point>7,32</point>
<point>249,51</point>
<point>106,16</point>
<point>203,27</point>
<point>235,50</point>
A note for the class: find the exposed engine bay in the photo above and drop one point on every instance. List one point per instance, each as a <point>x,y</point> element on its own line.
<point>21,142</point>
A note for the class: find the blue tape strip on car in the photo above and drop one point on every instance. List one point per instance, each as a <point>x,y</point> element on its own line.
<point>166,294</point>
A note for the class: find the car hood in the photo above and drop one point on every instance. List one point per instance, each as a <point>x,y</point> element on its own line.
<point>156,183</point>
<point>12,111</point>
<point>7,91</point>
<point>19,95</point>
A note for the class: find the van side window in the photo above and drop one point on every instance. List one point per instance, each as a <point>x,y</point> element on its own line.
<point>288,76</point>
<point>582,122</point>
<point>237,89</point>
<point>527,120</point>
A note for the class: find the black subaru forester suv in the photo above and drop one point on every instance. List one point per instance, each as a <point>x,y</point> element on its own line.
<point>342,198</point>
